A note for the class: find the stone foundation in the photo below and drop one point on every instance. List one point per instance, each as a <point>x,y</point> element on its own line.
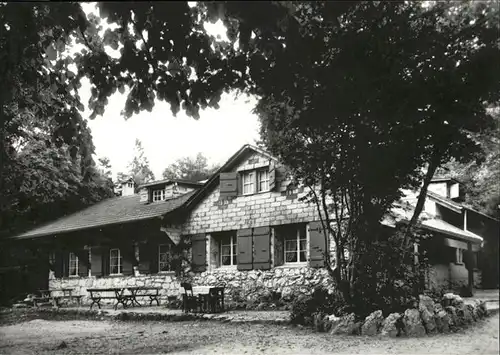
<point>254,285</point>
<point>169,285</point>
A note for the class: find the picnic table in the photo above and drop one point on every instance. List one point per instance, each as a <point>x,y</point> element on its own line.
<point>122,297</point>
<point>55,295</point>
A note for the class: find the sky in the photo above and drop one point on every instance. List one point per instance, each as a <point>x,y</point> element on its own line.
<point>217,134</point>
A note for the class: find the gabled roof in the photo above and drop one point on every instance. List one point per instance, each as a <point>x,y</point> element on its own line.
<point>213,180</point>
<point>167,181</point>
<point>456,206</point>
<point>112,211</point>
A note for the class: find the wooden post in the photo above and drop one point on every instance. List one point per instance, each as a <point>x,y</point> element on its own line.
<point>470,268</point>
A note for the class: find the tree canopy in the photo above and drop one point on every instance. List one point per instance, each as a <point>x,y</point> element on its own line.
<point>138,168</point>
<point>189,168</point>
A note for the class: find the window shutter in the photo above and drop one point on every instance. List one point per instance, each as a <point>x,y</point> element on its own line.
<point>105,261</point>
<point>65,262</point>
<point>96,261</point>
<point>199,250</point>
<point>272,177</point>
<point>58,267</point>
<point>278,248</point>
<point>317,244</point>
<point>148,258</point>
<point>262,250</point>
<point>468,259</point>
<point>128,258</point>
<point>83,266</point>
<point>245,254</point>
<point>228,184</point>
<point>239,185</point>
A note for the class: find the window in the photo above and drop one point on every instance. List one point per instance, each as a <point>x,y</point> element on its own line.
<point>158,195</point>
<point>248,183</point>
<point>228,250</point>
<point>130,184</point>
<point>263,180</point>
<point>459,255</point>
<point>73,264</point>
<point>115,262</point>
<point>52,258</point>
<point>164,257</point>
<point>295,245</point>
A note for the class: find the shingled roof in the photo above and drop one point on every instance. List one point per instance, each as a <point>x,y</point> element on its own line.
<point>111,211</point>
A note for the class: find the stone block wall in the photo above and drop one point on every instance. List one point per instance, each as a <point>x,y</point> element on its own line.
<point>169,284</point>
<point>252,285</point>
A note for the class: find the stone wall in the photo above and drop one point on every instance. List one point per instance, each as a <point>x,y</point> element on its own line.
<point>168,283</point>
<point>451,276</point>
<point>257,210</point>
<point>253,285</point>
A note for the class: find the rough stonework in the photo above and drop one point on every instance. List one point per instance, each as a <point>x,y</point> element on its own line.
<point>390,325</point>
<point>452,313</point>
<point>426,309</point>
<point>372,323</point>
<point>442,320</point>
<point>345,325</point>
<point>168,284</point>
<point>254,285</point>
<point>413,323</point>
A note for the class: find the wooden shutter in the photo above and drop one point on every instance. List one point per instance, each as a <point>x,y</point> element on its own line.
<point>262,248</point>
<point>127,251</point>
<point>199,249</point>
<point>105,261</point>
<point>317,244</point>
<point>58,265</point>
<point>468,259</point>
<point>228,184</point>
<point>279,253</point>
<point>83,268</point>
<point>245,248</point>
<point>272,177</point>
<point>65,262</point>
<point>148,258</point>
<point>96,261</point>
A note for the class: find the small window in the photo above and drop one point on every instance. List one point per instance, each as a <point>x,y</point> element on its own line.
<point>130,184</point>
<point>164,257</point>
<point>228,250</point>
<point>295,246</point>
<point>263,180</point>
<point>115,262</point>
<point>73,264</point>
<point>158,195</point>
<point>459,256</point>
<point>52,258</point>
<point>248,182</point>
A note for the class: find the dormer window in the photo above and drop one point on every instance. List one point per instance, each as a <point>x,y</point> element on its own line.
<point>158,195</point>
<point>255,181</point>
<point>130,184</point>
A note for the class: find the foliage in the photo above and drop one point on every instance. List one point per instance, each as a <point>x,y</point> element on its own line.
<point>194,169</point>
<point>138,168</point>
<point>378,96</point>
<point>320,301</point>
<point>389,279</point>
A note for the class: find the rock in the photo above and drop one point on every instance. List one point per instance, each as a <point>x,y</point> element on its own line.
<point>450,299</point>
<point>427,319</point>
<point>425,302</point>
<point>345,325</point>
<point>372,323</point>
<point>413,323</point>
<point>442,320</point>
<point>390,326</point>
<point>319,322</point>
<point>473,313</point>
<point>452,313</point>
<point>481,307</point>
<point>438,308</point>
<point>464,315</point>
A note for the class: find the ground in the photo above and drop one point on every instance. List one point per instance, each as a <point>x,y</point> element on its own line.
<point>211,337</point>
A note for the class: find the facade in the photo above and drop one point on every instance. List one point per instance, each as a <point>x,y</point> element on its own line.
<point>246,228</point>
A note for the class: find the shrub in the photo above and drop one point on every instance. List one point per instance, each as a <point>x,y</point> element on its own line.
<point>321,302</point>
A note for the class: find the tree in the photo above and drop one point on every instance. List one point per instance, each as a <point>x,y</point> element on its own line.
<point>139,168</point>
<point>336,123</point>
<point>105,167</point>
<point>194,169</point>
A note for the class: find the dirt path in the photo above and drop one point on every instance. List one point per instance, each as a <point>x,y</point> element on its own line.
<point>92,337</point>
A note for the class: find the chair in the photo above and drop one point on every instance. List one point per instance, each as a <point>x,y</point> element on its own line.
<point>189,301</point>
<point>216,296</point>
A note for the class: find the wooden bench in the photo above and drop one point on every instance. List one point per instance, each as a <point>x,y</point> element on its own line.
<point>49,295</point>
<point>117,293</point>
<point>152,292</point>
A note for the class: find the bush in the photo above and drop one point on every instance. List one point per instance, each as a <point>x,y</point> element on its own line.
<point>305,308</point>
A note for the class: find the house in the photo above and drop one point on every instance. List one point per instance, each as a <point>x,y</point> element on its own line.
<point>246,227</point>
